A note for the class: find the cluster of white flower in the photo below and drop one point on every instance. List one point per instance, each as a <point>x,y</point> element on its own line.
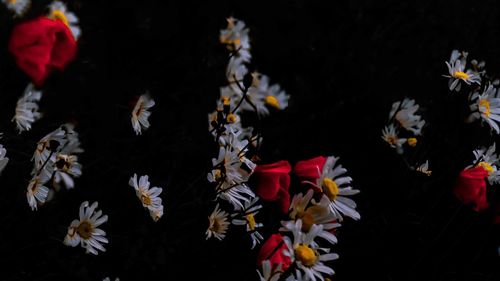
<point>403,128</point>
<point>233,166</point>
<point>19,7</point>
<point>484,97</point>
<point>55,163</point>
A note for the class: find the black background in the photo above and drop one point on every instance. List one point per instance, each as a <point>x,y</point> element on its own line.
<point>343,66</point>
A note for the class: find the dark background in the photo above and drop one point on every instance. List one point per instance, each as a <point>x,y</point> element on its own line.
<point>342,65</point>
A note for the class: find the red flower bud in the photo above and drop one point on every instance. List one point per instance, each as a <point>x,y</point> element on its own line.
<point>273,181</point>
<point>40,45</point>
<point>470,187</point>
<point>272,250</point>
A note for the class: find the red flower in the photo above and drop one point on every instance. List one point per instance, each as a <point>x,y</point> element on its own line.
<point>272,250</point>
<point>310,169</point>
<point>40,45</point>
<point>273,181</point>
<point>470,187</point>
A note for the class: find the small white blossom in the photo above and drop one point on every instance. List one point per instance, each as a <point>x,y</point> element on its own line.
<point>457,72</point>
<point>27,109</point>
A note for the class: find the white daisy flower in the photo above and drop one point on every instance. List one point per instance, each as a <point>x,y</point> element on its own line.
<point>47,147</point>
<point>59,11</point>
<point>37,192</point>
<point>140,114</point>
<point>66,167</point>
<point>246,216</point>
<point>424,168</point>
<point>235,37</point>
<point>150,197</point>
<point>486,106</point>
<point>268,274</point>
<point>232,166</point>
<point>307,255</point>
<point>27,109</point>
<point>489,160</point>
<point>261,96</point>
<point>315,214</point>
<point>85,231</point>
<point>404,113</point>
<point>217,224</point>
<point>19,7</point>
<point>3,159</point>
<point>336,187</point>
<point>457,72</point>
<point>235,72</point>
<point>390,136</point>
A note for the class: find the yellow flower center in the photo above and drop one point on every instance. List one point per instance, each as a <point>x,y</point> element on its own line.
<point>145,198</point>
<point>85,230</point>
<point>231,118</point>
<point>306,255</point>
<point>225,100</point>
<point>461,75</point>
<point>251,221</point>
<point>330,188</point>
<point>392,140</point>
<point>12,2</point>
<point>486,166</point>
<point>307,221</point>
<point>412,142</point>
<point>59,15</point>
<point>272,101</point>
<point>484,103</point>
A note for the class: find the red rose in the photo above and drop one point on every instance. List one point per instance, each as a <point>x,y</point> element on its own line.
<point>273,181</point>
<point>272,250</point>
<point>470,187</point>
<point>40,45</point>
<point>310,169</point>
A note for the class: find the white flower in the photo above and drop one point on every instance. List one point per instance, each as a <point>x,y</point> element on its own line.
<point>307,255</point>
<point>404,113</point>
<point>27,109</point>
<point>315,214</point>
<point>19,7</point>
<point>457,72</point>
<point>261,96</point>
<point>140,114</point>
<point>150,197</point>
<point>336,186</point>
<point>488,160</point>
<point>390,136</point>
<point>235,37</point>
<point>59,11</point>
<point>85,231</point>
<point>37,192</point>
<point>3,159</point>
<point>108,279</point>
<point>486,106</point>
<point>217,224</point>
<point>268,274</point>
<point>424,168</point>
<point>235,72</point>
<point>46,148</point>
<point>246,216</point>
<point>66,167</point>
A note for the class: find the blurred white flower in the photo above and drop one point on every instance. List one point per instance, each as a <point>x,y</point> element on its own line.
<point>404,113</point>
<point>3,157</point>
<point>424,168</point>
<point>486,106</point>
<point>457,72</point>
<point>140,113</point>
<point>85,231</point>
<point>150,197</point>
<point>66,167</point>
<point>59,11</point>
<point>217,224</point>
<point>268,274</point>
<point>236,39</point>
<point>27,109</point>
<point>19,7</point>
<point>390,136</point>
<point>37,192</point>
